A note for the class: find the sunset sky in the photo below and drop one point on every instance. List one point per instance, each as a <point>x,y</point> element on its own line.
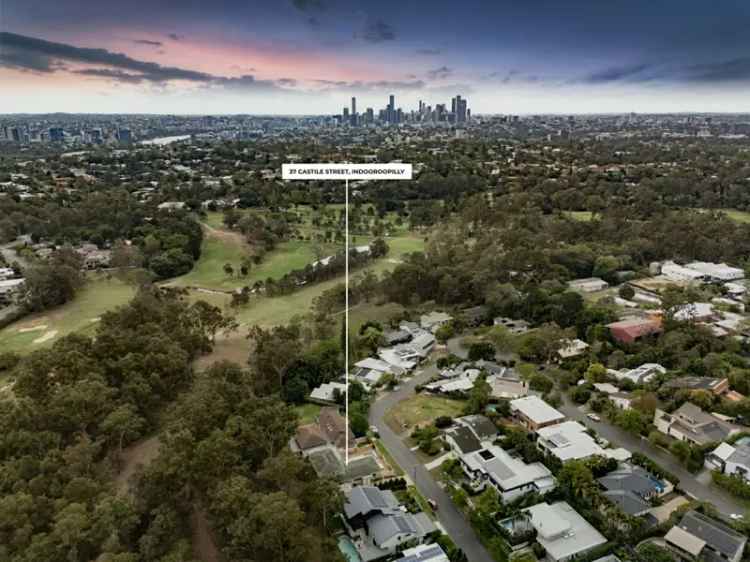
<point>311,56</point>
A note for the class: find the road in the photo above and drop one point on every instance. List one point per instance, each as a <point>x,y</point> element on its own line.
<point>10,255</point>
<point>452,520</point>
<point>724,502</point>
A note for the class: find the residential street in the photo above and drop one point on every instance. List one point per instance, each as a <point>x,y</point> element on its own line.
<point>724,502</point>
<point>450,518</point>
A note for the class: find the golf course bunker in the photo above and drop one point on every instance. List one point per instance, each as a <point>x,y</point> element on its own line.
<point>46,337</point>
<point>32,328</point>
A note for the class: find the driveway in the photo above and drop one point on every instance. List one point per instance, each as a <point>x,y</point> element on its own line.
<point>693,484</point>
<point>453,521</point>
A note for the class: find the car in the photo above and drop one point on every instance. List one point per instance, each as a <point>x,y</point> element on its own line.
<point>433,504</point>
<point>594,417</point>
<point>736,516</point>
<point>374,431</point>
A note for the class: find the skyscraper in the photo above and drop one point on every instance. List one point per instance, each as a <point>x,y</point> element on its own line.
<point>353,121</point>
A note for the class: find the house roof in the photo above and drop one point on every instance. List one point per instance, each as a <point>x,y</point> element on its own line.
<point>505,471</point>
<point>723,451</point>
<point>569,440</point>
<point>562,531</point>
<point>308,437</point>
<point>424,553</point>
<point>685,540</point>
<point>362,500</point>
<point>536,409</point>
<point>627,501</point>
<point>464,439</point>
<point>629,478</point>
<point>482,426</point>
<point>384,527</point>
<point>740,455</point>
<point>334,428</point>
<point>694,383</point>
<point>715,534</point>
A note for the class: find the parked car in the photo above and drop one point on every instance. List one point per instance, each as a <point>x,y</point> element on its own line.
<point>736,516</point>
<point>594,417</point>
<point>433,504</point>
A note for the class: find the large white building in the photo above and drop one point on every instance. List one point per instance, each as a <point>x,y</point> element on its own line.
<point>562,531</point>
<point>569,440</point>
<point>716,271</point>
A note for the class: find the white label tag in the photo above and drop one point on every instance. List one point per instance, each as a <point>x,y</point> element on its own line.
<point>346,171</point>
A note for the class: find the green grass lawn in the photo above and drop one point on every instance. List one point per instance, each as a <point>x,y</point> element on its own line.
<point>583,216</point>
<point>79,315</point>
<point>737,216</point>
<point>307,413</point>
<point>421,409</point>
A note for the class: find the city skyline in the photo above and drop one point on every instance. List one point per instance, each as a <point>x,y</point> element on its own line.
<point>304,56</point>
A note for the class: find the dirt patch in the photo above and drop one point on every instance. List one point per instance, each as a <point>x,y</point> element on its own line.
<point>235,348</point>
<point>32,328</point>
<point>46,337</point>
<point>137,454</point>
<point>204,545</point>
<point>226,235</point>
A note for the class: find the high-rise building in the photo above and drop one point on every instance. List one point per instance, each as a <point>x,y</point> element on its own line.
<point>370,116</point>
<point>56,134</point>
<point>123,135</point>
<point>353,118</point>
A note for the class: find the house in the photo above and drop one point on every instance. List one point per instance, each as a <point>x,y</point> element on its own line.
<point>562,532</point>
<point>7,273</point>
<point>694,312</point>
<point>393,337</point>
<point>9,289</point>
<point>510,476</point>
<point>570,441</point>
<point>630,330</point>
<point>690,423</point>
<point>378,525</point>
<point>330,430</point>
<point>731,459</point>
<point>700,537</point>
<point>171,205</point>
<point>572,348</point>
<point>513,326</point>
<point>424,553</point>
<point>640,375</point>
<point>327,393</point>
<point>716,271</point>
<point>476,315</point>
<point>676,272</point>
<point>714,385</point>
<point>534,413</point>
<point>434,320</point>
<point>481,426</point>
<point>620,399</point>
<point>370,370</point>
<point>588,285</point>
<point>631,487</point>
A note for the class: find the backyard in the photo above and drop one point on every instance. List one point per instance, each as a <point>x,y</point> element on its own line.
<point>420,410</point>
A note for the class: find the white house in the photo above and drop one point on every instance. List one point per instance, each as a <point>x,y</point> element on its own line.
<point>562,531</point>
<point>731,459</point>
<point>569,440</point>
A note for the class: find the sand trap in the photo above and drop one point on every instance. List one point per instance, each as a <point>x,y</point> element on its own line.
<point>32,328</point>
<point>46,337</point>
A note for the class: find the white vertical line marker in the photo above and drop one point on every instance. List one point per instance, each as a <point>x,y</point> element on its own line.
<point>346,314</point>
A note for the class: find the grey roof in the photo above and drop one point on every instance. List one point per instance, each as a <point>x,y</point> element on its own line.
<point>741,454</point>
<point>326,463</point>
<point>384,527</point>
<point>482,426</point>
<point>717,535</point>
<point>608,558</point>
<point>426,553</point>
<point>366,499</point>
<point>627,501</point>
<point>629,478</point>
<point>465,439</point>
<point>693,383</point>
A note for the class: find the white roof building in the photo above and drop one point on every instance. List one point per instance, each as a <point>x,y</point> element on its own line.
<point>717,271</point>
<point>639,375</point>
<point>535,412</point>
<point>326,392</point>
<point>569,440</point>
<point>675,272</point>
<point>562,532</point>
<point>572,348</point>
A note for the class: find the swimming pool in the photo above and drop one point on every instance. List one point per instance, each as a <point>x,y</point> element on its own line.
<point>346,546</point>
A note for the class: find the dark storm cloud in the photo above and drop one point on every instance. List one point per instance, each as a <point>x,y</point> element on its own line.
<point>378,31</point>
<point>116,75</point>
<point>439,73</point>
<point>308,5</point>
<point>38,54</point>
<point>175,36</point>
<point>633,72</point>
<point>734,70</point>
<point>148,42</point>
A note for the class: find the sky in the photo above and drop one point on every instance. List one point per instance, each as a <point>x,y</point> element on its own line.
<point>311,56</point>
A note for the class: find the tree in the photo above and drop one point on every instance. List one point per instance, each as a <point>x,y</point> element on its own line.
<point>631,420</point>
<point>482,351</point>
<point>626,292</point>
<point>479,396</point>
<point>596,373</point>
<point>228,270</point>
<point>123,424</point>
